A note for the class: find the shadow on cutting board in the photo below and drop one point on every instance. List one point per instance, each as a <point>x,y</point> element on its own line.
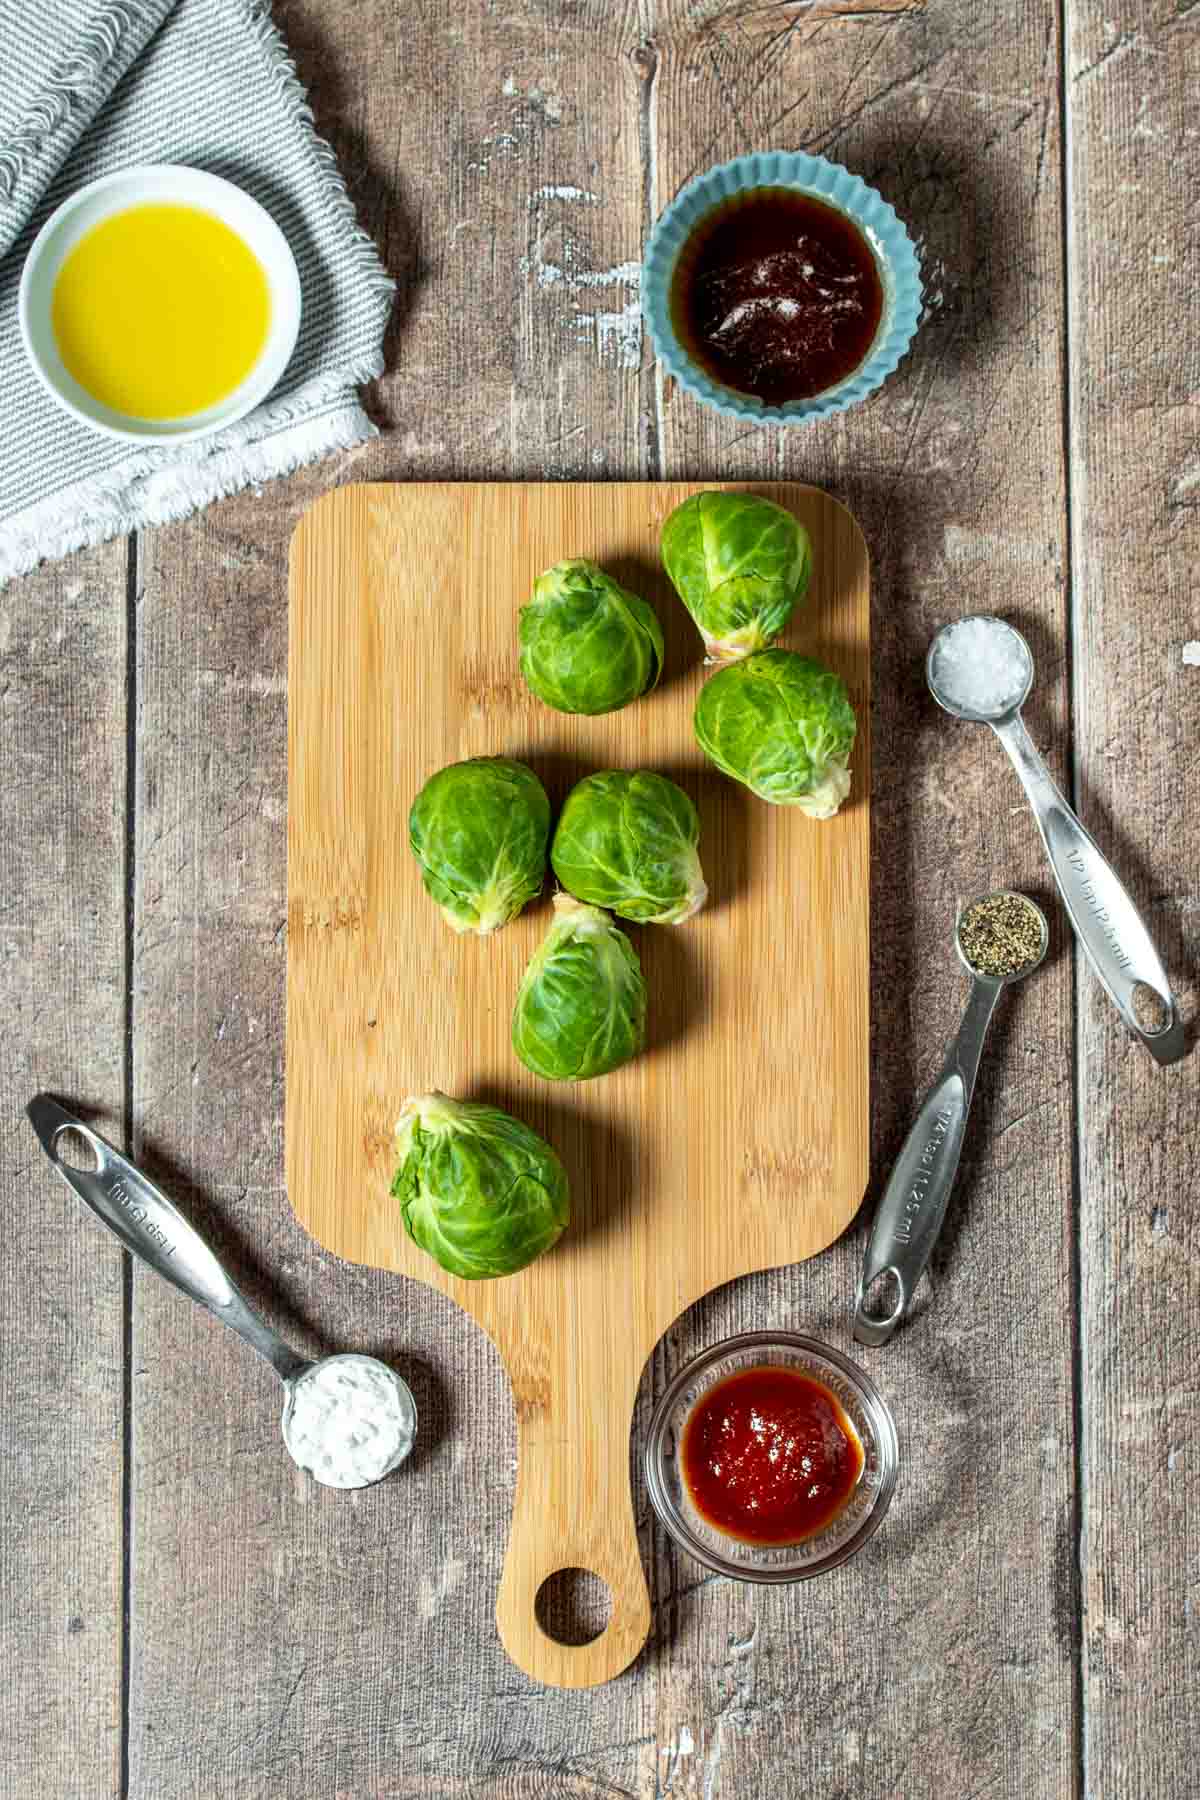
<point>606,1170</point>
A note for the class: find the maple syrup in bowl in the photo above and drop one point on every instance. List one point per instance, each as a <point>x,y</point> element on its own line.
<point>779,288</point>
<point>777,294</point>
<point>771,1458</point>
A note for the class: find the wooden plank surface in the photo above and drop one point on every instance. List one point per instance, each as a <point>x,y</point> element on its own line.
<point>1133,276</point>
<point>458,133</point>
<point>703,1709</point>
<point>62,993</point>
<point>288,1643</point>
<point>963,1619</point>
<point>738,1141</point>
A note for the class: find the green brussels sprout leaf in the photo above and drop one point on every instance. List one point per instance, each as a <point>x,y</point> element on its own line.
<point>740,565</point>
<point>479,1191</point>
<point>479,830</point>
<point>628,842</point>
<point>784,726</point>
<point>587,644</point>
<point>581,1007</point>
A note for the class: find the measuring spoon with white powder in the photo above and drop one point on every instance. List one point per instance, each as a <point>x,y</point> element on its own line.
<point>980,668</point>
<point>349,1420</point>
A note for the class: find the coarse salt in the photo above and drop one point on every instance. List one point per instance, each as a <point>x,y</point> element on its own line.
<point>980,666</point>
<point>349,1421</point>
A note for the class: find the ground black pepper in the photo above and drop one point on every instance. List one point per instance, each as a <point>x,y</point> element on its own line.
<point>1001,935</point>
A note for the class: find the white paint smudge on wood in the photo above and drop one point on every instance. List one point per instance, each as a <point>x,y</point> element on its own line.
<point>541,99</point>
<point>436,1589</point>
<point>617,335</point>
<point>1185,483</point>
<point>614,332</point>
<point>548,274</point>
<point>563,192</point>
<point>1190,655</point>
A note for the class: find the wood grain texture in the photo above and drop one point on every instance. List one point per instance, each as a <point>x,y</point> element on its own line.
<point>1135,435</point>
<point>965,1621</point>
<point>739,1141</point>
<point>62,750</point>
<point>252,1599</point>
<point>288,1644</point>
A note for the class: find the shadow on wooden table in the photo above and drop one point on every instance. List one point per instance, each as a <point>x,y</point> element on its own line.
<point>380,202</point>
<point>971,231</point>
<point>268,1293</point>
<point>926,1501</point>
<point>952,1265</point>
<point>606,1170</point>
<point>247,1269</point>
<point>1054,738</point>
<point>1163,913</point>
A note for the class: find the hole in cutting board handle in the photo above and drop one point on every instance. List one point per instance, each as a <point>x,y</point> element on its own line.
<point>573,1606</point>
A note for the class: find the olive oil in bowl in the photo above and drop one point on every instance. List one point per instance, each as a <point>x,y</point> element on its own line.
<point>159,304</point>
<point>161,311</point>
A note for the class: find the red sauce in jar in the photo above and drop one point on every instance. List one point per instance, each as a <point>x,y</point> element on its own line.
<point>769,1456</point>
<point>776,294</point>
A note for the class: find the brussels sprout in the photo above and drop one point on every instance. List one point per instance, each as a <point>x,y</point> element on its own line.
<point>783,725</point>
<point>740,565</point>
<point>482,1193</point>
<point>479,831</point>
<point>629,842</point>
<point>581,1008</point>
<point>587,645</point>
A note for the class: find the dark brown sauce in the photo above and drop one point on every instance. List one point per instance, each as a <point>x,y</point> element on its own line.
<point>770,1457</point>
<point>776,295</point>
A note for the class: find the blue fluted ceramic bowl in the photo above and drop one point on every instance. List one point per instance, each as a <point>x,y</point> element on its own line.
<point>895,254</point>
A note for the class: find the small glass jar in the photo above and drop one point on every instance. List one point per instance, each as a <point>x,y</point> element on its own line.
<point>863,1405</point>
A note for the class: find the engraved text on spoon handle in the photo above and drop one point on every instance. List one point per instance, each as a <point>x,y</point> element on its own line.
<point>1106,921</point>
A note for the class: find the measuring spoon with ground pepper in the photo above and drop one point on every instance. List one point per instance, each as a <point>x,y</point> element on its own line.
<point>999,938</point>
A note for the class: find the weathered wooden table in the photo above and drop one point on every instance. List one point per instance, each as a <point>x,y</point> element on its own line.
<point>182,1613</point>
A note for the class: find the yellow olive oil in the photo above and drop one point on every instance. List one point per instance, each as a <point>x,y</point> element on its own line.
<point>161,311</point>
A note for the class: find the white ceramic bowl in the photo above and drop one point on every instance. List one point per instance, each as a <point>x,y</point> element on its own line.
<point>167,184</point>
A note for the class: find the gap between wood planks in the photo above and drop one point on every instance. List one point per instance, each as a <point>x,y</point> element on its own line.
<point>1079,1519</point>
<point>651,425</point>
<point>128,1133</point>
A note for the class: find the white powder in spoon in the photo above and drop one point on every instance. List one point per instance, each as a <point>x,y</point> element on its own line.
<point>979,665</point>
<point>349,1420</point>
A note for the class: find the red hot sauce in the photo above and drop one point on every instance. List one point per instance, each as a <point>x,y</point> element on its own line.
<point>769,1456</point>
<point>776,295</point>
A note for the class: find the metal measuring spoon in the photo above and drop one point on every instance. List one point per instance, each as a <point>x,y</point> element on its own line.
<point>1106,921</point>
<point>913,1206</point>
<point>149,1226</point>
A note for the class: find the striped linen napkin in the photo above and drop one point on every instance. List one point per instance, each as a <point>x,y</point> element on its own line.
<point>91,86</point>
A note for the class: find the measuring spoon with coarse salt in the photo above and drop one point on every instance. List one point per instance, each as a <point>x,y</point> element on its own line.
<point>999,938</point>
<point>349,1420</point>
<point>981,668</point>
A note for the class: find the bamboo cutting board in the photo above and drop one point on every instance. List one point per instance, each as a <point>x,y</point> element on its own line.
<point>738,1141</point>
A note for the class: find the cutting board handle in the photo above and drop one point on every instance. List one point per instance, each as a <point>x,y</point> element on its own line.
<point>573,1512</point>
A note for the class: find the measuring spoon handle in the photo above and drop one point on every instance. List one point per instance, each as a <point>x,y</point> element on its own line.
<point>1106,921</point>
<point>910,1215</point>
<point>150,1227</point>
